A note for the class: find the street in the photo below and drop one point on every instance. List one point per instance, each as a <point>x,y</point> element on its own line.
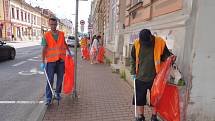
<point>22,84</point>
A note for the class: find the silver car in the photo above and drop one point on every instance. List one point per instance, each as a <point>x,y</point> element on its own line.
<point>71,41</point>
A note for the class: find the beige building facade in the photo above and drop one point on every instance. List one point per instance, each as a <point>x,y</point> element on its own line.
<point>107,18</point>
<point>5,19</point>
<point>25,21</point>
<point>21,21</point>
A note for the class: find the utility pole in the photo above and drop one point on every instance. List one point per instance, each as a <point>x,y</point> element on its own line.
<point>76,49</point>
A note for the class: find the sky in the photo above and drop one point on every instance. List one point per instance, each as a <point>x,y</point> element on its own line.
<point>65,9</point>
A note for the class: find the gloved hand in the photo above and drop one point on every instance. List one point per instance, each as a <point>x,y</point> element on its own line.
<point>71,53</point>
<point>42,66</point>
<point>133,77</point>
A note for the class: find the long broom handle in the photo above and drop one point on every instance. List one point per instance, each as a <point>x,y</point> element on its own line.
<point>135,99</point>
<point>49,82</point>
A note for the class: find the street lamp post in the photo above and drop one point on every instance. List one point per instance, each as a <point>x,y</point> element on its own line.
<point>76,38</point>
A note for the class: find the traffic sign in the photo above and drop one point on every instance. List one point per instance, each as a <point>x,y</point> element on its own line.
<point>90,27</point>
<point>82,22</point>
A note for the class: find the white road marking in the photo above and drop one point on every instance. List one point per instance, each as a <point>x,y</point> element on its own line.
<point>21,102</point>
<point>20,63</point>
<point>30,59</point>
<point>31,72</point>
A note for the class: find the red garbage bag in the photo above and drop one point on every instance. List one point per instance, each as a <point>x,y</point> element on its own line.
<point>68,83</point>
<point>160,82</point>
<point>86,53</point>
<point>168,106</point>
<point>101,55</point>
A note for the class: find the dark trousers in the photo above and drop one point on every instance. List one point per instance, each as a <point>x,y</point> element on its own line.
<point>141,91</point>
<point>52,68</point>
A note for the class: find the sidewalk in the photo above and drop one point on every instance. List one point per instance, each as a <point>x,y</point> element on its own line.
<point>103,96</point>
<point>24,43</point>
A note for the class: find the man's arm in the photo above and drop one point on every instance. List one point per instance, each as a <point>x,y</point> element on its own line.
<point>44,48</point>
<point>133,61</point>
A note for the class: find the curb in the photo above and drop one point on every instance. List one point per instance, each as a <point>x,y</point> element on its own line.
<point>38,113</point>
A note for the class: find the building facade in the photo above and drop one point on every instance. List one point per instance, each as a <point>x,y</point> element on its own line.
<point>108,21</point>
<point>5,32</point>
<point>25,21</point>
<point>21,21</point>
<point>66,26</point>
<point>186,26</point>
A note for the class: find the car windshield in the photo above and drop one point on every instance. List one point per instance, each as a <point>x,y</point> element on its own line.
<point>71,37</point>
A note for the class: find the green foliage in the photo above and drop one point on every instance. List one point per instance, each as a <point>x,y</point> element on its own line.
<point>123,75</point>
<point>107,60</point>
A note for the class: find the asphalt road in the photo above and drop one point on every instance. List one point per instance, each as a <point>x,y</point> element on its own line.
<point>22,85</point>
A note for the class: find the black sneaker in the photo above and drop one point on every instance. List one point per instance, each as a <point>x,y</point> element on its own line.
<point>140,119</point>
<point>154,118</point>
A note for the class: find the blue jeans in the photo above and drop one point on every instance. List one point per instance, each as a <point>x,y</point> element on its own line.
<point>52,68</point>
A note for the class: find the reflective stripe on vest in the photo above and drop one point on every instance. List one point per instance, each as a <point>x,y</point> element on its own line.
<point>158,51</point>
<point>55,50</point>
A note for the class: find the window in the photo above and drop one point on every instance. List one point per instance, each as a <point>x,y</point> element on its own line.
<point>34,20</point>
<point>17,14</point>
<point>28,17</point>
<point>25,16</point>
<point>13,14</point>
<point>23,31</point>
<point>22,15</point>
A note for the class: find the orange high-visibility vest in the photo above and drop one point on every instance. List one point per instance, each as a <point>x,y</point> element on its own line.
<point>158,51</point>
<point>83,42</point>
<point>55,50</point>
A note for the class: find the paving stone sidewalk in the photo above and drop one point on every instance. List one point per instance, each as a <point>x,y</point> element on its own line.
<point>102,96</point>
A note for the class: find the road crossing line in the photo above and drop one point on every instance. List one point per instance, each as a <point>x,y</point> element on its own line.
<point>21,102</point>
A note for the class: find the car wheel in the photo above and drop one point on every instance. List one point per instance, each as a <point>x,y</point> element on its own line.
<point>12,54</point>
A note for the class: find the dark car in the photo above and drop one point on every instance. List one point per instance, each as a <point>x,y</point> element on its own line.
<point>71,41</point>
<point>6,51</point>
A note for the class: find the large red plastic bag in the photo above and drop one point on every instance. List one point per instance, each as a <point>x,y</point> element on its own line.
<point>101,55</point>
<point>68,83</point>
<point>160,81</point>
<point>86,53</point>
<point>168,106</point>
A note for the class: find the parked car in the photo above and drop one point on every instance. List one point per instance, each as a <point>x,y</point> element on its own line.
<point>6,51</point>
<point>71,41</point>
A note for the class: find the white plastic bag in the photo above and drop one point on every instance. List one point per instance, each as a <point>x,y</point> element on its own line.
<point>175,74</point>
<point>148,97</point>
